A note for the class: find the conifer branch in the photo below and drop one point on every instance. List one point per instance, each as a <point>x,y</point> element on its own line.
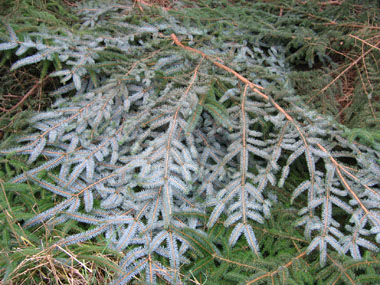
<point>159,154</point>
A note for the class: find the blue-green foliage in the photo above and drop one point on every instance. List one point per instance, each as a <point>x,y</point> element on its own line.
<point>155,130</point>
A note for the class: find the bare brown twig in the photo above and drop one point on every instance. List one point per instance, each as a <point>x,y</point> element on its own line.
<point>30,92</point>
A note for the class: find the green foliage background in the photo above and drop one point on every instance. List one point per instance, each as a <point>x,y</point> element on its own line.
<point>333,50</point>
